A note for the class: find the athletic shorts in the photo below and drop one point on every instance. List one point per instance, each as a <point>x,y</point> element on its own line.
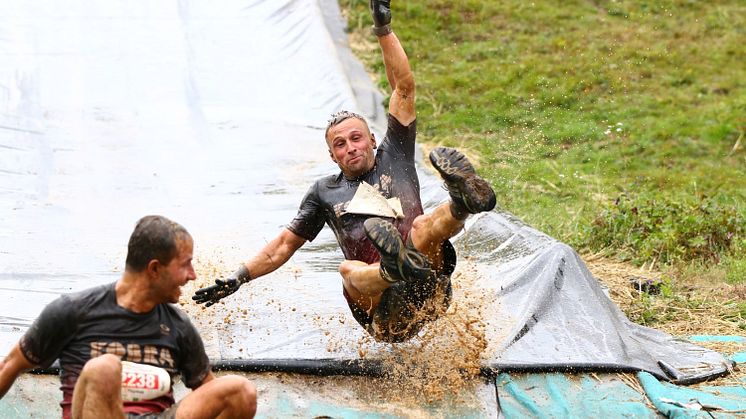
<point>406,307</point>
<point>169,413</point>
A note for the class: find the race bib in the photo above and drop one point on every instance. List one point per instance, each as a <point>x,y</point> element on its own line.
<point>143,382</point>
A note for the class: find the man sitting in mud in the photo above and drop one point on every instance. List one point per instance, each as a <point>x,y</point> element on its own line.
<point>396,275</point>
<point>119,344</point>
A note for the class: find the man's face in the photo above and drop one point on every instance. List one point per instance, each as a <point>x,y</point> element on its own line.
<point>351,147</point>
<point>178,272</point>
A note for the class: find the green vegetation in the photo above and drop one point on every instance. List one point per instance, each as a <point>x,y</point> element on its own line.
<point>668,229</point>
<point>615,126</point>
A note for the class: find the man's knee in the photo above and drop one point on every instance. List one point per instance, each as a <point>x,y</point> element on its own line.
<point>102,374</point>
<point>421,221</point>
<point>104,368</point>
<point>346,268</point>
<point>240,394</point>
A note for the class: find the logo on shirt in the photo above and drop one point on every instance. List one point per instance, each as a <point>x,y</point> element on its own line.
<point>165,330</point>
<point>135,352</point>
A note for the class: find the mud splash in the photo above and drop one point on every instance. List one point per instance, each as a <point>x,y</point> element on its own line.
<point>442,364</point>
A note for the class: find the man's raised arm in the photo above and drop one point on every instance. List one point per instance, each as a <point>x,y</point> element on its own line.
<point>273,255</point>
<point>398,72</point>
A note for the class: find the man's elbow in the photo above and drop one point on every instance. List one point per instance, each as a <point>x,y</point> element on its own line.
<point>291,241</point>
<point>405,87</point>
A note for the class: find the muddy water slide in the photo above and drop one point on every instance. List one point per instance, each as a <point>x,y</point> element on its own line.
<point>212,113</point>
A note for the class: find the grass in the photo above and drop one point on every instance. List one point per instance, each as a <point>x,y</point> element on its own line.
<point>575,108</point>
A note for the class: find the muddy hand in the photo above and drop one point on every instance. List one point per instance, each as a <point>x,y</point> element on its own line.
<point>381,11</point>
<point>212,294</point>
<point>222,288</point>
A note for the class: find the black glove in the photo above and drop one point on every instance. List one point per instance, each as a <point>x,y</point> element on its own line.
<point>222,288</point>
<point>381,11</point>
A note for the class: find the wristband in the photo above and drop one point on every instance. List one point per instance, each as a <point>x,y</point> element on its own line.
<point>382,30</point>
<point>243,275</point>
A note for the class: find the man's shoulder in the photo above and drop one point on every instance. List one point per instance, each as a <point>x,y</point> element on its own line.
<point>92,295</point>
<point>174,311</point>
<point>328,181</point>
<point>79,305</point>
<point>178,317</point>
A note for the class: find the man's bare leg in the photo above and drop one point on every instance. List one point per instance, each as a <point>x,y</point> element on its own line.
<point>230,396</point>
<point>98,390</point>
<point>363,283</point>
<point>470,194</point>
<point>429,231</point>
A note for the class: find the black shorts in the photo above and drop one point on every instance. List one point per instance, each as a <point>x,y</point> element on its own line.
<point>169,413</point>
<point>406,307</point>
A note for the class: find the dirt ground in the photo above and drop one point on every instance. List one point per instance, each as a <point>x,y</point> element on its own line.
<point>700,309</point>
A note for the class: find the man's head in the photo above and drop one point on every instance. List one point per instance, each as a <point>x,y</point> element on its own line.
<point>161,249</point>
<point>350,143</point>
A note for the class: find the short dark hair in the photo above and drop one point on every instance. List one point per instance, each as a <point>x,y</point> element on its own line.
<point>154,237</point>
<point>340,116</point>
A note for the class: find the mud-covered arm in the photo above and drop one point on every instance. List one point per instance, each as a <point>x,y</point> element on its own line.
<point>398,72</point>
<point>273,255</point>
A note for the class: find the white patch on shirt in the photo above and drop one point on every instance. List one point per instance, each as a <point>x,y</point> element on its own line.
<point>369,201</point>
<point>385,186</point>
<point>339,208</point>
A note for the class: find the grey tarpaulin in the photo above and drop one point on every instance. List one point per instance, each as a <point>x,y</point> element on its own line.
<point>212,113</point>
<point>560,317</point>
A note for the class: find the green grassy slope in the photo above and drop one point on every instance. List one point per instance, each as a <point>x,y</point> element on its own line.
<point>611,125</point>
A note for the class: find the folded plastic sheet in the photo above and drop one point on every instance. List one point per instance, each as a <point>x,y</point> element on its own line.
<point>703,402</point>
<point>213,115</point>
<point>559,317</point>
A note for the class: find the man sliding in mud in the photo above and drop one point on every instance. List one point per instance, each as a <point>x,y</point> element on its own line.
<point>396,275</point>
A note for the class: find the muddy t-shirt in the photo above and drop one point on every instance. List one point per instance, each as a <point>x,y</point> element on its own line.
<point>393,175</point>
<point>80,326</point>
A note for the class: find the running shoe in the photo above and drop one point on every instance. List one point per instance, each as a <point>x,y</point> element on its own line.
<point>466,188</point>
<point>398,262</point>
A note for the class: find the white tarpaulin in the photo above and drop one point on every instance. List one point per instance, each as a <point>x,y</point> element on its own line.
<point>212,114</point>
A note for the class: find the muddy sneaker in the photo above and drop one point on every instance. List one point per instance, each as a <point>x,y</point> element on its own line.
<point>398,262</point>
<point>467,190</point>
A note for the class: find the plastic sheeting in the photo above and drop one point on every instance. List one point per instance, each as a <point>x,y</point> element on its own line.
<point>562,396</point>
<point>212,114</point>
<point>609,395</point>
<point>704,402</point>
<point>559,316</point>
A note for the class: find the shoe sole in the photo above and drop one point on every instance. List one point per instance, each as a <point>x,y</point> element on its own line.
<point>475,193</point>
<point>443,158</point>
<point>386,238</point>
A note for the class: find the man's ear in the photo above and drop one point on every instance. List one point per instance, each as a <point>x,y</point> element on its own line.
<point>373,139</point>
<point>152,267</point>
<point>331,156</point>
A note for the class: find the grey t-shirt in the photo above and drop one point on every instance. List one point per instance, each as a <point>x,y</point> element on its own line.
<point>394,175</point>
<point>80,326</point>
